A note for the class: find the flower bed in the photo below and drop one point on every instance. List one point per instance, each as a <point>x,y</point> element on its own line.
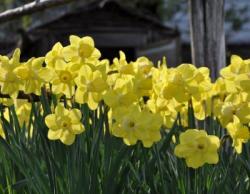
<point>90,104</point>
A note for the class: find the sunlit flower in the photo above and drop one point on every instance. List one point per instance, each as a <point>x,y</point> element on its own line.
<point>81,50</point>
<point>236,74</point>
<point>121,94</point>
<point>64,124</point>
<point>90,86</point>
<point>234,104</point>
<point>239,133</point>
<point>122,66</point>
<point>10,84</point>
<point>197,148</point>
<point>63,81</point>
<point>55,56</point>
<point>133,124</point>
<point>33,75</point>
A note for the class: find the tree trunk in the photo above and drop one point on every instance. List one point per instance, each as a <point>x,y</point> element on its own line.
<point>207,34</point>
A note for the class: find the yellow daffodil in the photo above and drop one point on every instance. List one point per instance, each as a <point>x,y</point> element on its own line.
<point>166,108</point>
<point>100,65</point>
<point>149,130</point>
<point>122,66</point>
<point>197,148</point>
<point>234,104</point>
<point>236,75</point>
<point>63,81</point>
<point>81,50</point>
<point>236,67</point>
<point>132,124</point>
<point>9,82</point>
<point>181,83</point>
<point>23,111</point>
<point>143,65</point>
<point>239,133</point>
<point>219,88</point>
<point>205,106</point>
<point>64,124</point>
<point>54,56</point>
<point>122,94</point>
<point>90,86</point>
<point>142,84</point>
<point>33,75</point>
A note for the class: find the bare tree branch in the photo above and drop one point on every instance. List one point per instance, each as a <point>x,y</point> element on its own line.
<point>30,8</point>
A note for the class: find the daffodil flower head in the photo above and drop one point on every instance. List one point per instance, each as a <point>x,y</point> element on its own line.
<point>234,104</point>
<point>142,84</point>
<point>159,79</point>
<point>63,81</point>
<point>236,67</point>
<point>122,65</point>
<point>81,50</point>
<point>33,75</point>
<point>237,75</point>
<point>90,87</point>
<point>10,84</point>
<point>23,111</point>
<point>187,71</point>
<point>121,94</point>
<point>54,56</point>
<point>64,124</point>
<point>100,65</point>
<point>197,148</point>
<point>166,108</point>
<point>148,131</point>
<point>143,65</point>
<point>175,87</point>
<point>132,124</point>
<point>239,133</point>
<point>202,108</point>
<point>219,88</point>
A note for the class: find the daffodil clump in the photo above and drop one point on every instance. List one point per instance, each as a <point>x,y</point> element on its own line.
<point>141,101</point>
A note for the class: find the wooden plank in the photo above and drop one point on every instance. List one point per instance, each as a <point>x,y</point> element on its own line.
<point>207,34</point>
<point>215,36</point>
<point>197,32</point>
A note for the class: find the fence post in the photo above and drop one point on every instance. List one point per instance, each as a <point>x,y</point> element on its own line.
<point>207,34</point>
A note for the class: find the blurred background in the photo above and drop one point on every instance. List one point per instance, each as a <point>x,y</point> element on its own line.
<point>154,28</point>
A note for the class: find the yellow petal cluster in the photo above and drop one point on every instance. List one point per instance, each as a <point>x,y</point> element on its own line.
<point>133,124</point>
<point>197,148</point>
<point>239,133</point>
<point>64,124</point>
<point>9,82</point>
